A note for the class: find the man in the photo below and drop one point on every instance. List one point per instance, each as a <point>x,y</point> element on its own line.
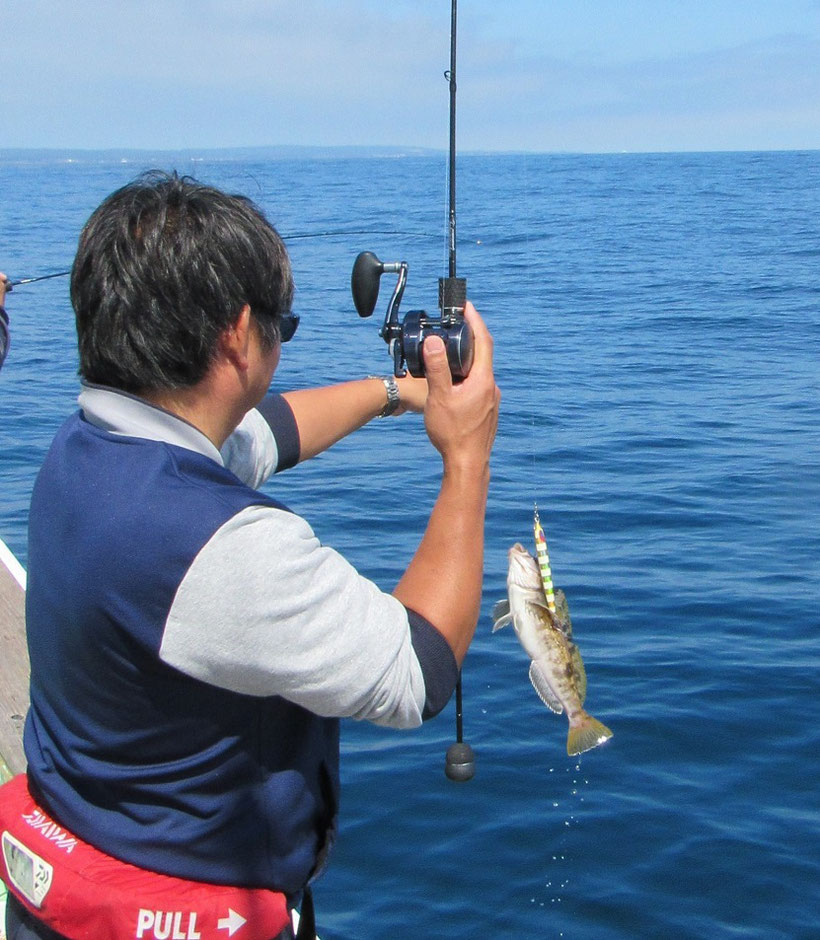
<point>4,320</point>
<point>193,645</point>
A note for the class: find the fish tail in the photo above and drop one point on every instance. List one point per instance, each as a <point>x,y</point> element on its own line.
<point>585,733</point>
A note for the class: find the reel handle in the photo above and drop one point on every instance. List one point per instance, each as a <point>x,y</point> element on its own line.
<point>365,279</point>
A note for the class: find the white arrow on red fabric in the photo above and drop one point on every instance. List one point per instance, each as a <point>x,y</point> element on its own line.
<point>231,923</point>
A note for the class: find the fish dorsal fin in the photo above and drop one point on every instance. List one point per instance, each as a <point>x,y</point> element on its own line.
<point>543,688</point>
<point>501,615</point>
<point>579,673</point>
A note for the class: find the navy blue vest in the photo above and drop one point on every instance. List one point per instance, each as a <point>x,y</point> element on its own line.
<point>142,761</point>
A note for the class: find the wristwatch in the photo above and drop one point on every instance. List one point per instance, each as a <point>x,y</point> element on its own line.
<point>392,390</point>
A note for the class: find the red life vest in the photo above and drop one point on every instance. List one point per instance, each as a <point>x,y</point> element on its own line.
<point>84,894</point>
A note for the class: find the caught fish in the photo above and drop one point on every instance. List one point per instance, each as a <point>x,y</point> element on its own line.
<point>557,670</point>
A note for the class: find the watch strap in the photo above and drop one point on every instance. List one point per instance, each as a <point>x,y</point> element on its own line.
<point>392,389</point>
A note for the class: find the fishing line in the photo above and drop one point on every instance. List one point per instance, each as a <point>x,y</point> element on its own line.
<point>533,384</point>
<point>335,233</point>
<point>366,231</point>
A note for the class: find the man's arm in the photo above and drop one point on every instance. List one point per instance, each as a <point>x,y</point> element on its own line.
<point>285,429</point>
<point>354,655</point>
<point>326,415</point>
<point>443,581</point>
<point>4,320</point>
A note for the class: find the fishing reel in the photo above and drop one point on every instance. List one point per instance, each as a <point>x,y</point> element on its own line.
<point>406,338</point>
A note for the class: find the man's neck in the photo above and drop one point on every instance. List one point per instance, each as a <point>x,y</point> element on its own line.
<point>213,413</point>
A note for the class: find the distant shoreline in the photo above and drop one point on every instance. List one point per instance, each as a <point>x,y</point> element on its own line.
<point>206,154</point>
<point>188,155</point>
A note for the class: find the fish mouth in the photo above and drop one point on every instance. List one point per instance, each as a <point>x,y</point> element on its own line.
<point>523,569</point>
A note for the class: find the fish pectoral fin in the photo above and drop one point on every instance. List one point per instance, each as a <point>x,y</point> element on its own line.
<point>539,602</point>
<point>543,688</point>
<point>559,620</point>
<point>501,615</point>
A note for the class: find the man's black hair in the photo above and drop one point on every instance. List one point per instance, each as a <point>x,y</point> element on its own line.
<point>163,266</point>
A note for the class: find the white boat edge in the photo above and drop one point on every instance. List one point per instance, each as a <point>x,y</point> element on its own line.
<point>8,558</point>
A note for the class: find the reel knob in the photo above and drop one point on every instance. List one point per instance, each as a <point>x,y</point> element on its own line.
<point>364,282</point>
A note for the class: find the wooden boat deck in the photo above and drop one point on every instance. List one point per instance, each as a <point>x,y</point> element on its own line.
<point>14,665</point>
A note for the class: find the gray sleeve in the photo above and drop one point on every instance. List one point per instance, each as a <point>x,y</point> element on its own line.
<point>438,663</point>
<point>266,441</point>
<point>265,609</point>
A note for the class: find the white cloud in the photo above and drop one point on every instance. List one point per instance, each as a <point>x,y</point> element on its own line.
<point>182,73</point>
<point>751,95</point>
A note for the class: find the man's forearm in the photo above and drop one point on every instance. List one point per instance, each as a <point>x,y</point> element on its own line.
<point>326,415</point>
<point>443,580</point>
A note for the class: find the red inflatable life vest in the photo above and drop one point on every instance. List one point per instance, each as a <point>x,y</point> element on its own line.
<point>84,894</point>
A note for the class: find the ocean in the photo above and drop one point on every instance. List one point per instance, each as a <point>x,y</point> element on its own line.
<point>657,328</point>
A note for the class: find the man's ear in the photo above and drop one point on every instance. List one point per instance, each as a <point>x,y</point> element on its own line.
<point>235,339</point>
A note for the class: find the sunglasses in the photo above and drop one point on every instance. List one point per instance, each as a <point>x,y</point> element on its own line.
<point>4,336</point>
<point>287,326</point>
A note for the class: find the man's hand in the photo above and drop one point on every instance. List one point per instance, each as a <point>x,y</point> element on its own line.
<point>462,418</point>
<point>412,394</point>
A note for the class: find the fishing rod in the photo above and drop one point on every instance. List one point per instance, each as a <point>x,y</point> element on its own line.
<point>405,340</point>
<point>459,763</point>
<point>32,280</point>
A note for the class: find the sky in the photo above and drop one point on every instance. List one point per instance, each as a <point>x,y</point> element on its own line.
<point>533,75</point>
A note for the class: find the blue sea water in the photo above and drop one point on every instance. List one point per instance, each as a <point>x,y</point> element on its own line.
<point>657,330</point>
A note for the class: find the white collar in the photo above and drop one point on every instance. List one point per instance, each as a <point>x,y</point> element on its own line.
<point>122,413</point>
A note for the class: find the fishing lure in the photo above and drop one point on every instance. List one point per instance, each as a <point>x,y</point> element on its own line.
<point>543,559</point>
